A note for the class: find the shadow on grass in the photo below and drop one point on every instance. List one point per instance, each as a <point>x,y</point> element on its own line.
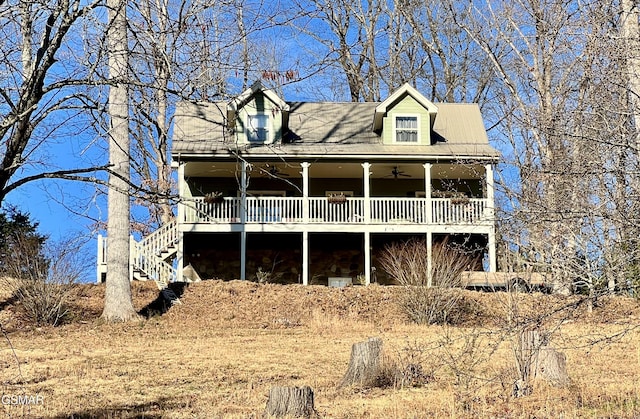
<point>163,303</point>
<point>149,410</point>
<point>9,302</point>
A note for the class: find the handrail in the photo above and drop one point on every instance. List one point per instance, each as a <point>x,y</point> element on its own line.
<point>146,255</point>
<point>382,210</point>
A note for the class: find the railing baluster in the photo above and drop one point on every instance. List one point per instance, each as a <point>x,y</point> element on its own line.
<point>382,210</point>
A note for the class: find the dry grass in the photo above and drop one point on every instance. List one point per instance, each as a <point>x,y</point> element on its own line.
<point>219,353</point>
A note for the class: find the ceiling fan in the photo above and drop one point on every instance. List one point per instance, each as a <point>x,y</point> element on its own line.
<point>272,171</point>
<point>395,173</point>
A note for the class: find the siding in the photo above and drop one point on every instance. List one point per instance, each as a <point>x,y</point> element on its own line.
<point>407,106</point>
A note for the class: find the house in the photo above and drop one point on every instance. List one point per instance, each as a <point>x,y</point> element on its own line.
<point>311,192</point>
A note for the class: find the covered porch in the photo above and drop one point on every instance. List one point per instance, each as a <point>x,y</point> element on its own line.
<point>338,191</point>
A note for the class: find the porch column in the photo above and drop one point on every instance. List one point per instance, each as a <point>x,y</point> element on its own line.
<point>491,242</point>
<point>367,258</point>
<point>180,220</point>
<point>101,259</point>
<point>366,179</point>
<point>488,170</point>
<point>427,193</point>
<point>305,218</point>
<point>429,259</point>
<point>305,191</point>
<point>305,258</point>
<point>243,220</point>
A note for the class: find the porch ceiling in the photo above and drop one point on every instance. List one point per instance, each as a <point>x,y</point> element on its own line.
<point>336,170</point>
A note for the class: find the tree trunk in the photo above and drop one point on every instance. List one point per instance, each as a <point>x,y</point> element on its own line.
<point>118,305</point>
<point>291,401</point>
<point>526,352</point>
<point>631,38</point>
<point>365,363</point>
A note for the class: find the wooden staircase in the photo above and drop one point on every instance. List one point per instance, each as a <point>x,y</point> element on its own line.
<point>150,259</point>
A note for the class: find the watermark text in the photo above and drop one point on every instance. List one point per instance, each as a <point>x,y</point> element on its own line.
<point>22,399</point>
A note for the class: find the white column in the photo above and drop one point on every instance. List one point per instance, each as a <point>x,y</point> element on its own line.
<point>488,168</point>
<point>243,220</point>
<point>181,219</point>
<point>429,259</point>
<point>366,179</point>
<point>305,257</point>
<point>367,257</point>
<point>133,255</point>
<point>305,191</point>
<point>491,242</point>
<point>100,260</point>
<point>427,192</point>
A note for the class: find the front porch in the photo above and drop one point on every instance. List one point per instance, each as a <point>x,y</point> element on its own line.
<point>352,210</point>
<point>336,192</point>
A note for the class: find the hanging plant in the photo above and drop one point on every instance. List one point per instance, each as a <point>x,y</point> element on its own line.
<point>337,198</point>
<point>213,197</point>
<point>460,201</point>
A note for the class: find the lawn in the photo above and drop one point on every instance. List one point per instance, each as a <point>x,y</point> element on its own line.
<point>219,353</point>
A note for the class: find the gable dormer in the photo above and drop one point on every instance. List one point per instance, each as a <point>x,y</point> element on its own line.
<point>256,116</point>
<point>405,117</point>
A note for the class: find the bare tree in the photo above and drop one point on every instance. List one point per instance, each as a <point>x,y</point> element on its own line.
<point>570,168</point>
<point>346,36</point>
<point>41,75</point>
<point>118,305</point>
<point>377,46</point>
<point>630,31</point>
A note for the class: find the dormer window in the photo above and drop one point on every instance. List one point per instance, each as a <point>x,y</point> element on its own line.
<point>406,129</point>
<point>258,128</point>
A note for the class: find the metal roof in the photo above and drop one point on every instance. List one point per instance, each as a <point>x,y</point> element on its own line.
<point>331,128</point>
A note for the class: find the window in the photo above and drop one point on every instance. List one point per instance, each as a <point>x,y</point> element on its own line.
<point>258,128</point>
<point>406,129</point>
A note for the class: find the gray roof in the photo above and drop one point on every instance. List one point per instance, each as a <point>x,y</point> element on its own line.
<point>329,128</point>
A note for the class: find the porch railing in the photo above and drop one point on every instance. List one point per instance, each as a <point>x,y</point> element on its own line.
<point>352,211</point>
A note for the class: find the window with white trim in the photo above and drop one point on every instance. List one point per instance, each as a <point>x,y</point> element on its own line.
<point>406,129</point>
<point>258,128</point>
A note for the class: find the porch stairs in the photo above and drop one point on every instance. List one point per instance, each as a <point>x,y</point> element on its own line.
<point>150,259</point>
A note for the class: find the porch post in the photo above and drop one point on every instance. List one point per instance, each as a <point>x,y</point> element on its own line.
<point>305,258</point>
<point>427,193</point>
<point>180,220</point>
<point>367,258</point>
<point>491,242</point>
<point>305,191</point>
<point>429,259</point>
<point>366,179</point>
<point>133,255</point>
<point>488,169</point>
<point>243,220</point>
<point>100,260</point>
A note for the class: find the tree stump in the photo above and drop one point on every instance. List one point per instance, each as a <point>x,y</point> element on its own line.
<point>290,401</point>
<point>552,366</point>
<point>537,360</point>
<point>365,363</point>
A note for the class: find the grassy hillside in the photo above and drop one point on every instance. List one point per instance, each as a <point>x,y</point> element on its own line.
<point>219,353</point>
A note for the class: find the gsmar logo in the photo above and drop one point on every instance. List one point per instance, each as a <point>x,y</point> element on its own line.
<point>22,399</point>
